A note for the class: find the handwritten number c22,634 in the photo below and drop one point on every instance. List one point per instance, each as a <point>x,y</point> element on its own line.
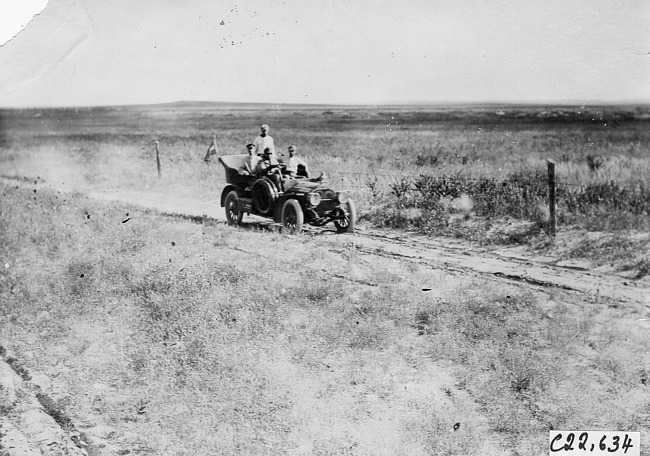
<point>557,444</point>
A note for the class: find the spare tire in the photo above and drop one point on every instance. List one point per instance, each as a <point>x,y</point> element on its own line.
<point>265,194</point>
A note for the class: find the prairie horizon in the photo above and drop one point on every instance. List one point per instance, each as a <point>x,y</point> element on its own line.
<point>226,105</point>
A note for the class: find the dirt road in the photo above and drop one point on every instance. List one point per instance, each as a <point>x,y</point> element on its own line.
<point>503,263</point>
<point>516,263</point>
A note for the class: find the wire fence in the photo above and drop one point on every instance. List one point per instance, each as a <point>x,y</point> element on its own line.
<point>386,181</point>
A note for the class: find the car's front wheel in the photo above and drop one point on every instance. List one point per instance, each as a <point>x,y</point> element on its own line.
<point>346,223</point>
<point>292,216</point>
<point>233,214</point>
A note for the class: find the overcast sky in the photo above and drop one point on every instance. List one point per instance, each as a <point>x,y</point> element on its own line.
<point>107,52</point>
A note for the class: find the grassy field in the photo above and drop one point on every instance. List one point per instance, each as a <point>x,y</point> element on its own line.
<point>162,335</point>
<point>165,336</point>
<point>467,171</point>
<point>366,149</point>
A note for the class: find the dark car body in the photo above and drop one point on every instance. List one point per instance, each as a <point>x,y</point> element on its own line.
<point>300,200</point>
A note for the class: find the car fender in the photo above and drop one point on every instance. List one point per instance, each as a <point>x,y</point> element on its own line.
<point>279,204</point>
<point>227,190</point>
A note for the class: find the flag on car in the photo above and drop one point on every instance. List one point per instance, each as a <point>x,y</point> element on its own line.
<point>213,149</point>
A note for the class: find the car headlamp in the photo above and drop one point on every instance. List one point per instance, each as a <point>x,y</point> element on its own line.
<point>314,199</point>
<point>342,197</point>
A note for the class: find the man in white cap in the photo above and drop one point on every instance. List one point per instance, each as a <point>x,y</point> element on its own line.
<point>296,166</point>
<point>264,141</point>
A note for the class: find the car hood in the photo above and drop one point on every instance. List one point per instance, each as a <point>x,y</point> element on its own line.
<point>302,186</point>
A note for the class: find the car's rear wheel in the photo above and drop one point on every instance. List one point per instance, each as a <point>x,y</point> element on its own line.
<point>292,216</point>
<point>347,223</point>
<point>231,204</point>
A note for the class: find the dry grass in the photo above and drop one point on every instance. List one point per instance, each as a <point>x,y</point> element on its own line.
<point>172,335</point>
<point>379,154</point>
<point>386,143</point>
<point>197,338</point>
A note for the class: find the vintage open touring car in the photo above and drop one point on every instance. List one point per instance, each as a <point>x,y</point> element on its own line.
<point>302,200</point>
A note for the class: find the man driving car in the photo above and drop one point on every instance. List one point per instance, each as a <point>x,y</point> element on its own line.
<point>270,167</point>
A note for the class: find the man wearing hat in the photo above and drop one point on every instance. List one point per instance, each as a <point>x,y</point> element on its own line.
<point>264,141</point>
<point>268,166</point>
<point>250,164</point>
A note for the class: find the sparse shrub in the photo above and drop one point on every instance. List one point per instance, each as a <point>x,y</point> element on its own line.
<point>606,205</point>
<point>523,195</point>
<point>540,215</point>
<point>516,234</point>
<point>18,367</point>
<point>462,204</point>
<point>642,268</point>
<point>423,322</point>
<point>373,184</point>
<point>594,162</point>
<point>426,160</point>
<point>400,188</point>
<point>611,248</point>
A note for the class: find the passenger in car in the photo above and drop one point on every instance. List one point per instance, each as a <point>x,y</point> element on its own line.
<point>295,166</point>
<point>250,164</point>
<point>264,141</point>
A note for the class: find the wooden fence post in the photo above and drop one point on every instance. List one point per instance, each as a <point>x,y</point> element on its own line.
<point>158,160</point>
<point>552,221</point>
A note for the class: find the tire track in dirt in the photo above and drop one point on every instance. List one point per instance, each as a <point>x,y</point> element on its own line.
<point>504,264</point>
<point>451,254</point>
<point>28,428</point>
